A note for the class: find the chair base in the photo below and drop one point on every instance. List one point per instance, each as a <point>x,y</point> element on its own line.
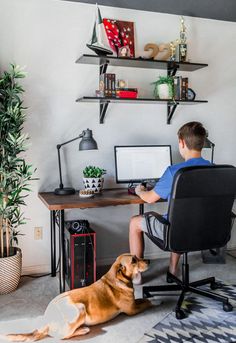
<point>186,286</point>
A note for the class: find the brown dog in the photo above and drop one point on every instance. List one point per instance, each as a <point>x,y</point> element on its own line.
<point>95,304</point>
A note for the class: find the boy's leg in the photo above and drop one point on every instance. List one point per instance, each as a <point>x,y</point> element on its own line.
<point>174,260</point>
<point>136,243</point>
<point>136,239</point>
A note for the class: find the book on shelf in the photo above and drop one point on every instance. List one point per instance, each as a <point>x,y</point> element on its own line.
<point>184,88</point>
<point>107,85</point>
<point>180,88</point>
<point>177,87</point>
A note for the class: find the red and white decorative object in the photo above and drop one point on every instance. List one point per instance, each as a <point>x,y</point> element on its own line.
<point>120,33</point>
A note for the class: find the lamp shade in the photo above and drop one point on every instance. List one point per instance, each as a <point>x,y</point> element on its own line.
<point>88,142</point>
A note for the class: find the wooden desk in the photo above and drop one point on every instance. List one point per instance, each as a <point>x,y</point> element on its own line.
<point>57,204</point>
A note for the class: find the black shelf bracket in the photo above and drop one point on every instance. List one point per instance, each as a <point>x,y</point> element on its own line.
<point>103,66</point>
<point>103,109</point>
<point>172,69</point>
<point>170,111</point>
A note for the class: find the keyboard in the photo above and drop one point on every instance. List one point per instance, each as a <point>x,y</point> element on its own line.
<point>131,190</point>
<point>148,187</point>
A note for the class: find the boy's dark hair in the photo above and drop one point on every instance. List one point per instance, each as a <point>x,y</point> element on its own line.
<point>194,135</point>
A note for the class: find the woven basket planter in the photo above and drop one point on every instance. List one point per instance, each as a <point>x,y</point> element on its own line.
<point>10,272</point>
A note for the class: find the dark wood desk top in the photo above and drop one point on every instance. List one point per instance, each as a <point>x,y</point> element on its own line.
<point>108,197</point>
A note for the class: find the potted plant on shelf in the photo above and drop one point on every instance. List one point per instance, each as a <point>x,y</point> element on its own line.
<point>164,87</point>
<point>93,179</point>
<point>15,175</point>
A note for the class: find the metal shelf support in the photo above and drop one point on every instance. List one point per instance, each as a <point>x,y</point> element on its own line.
<point>103,109</point>
<point>171,71</point>
<point>103,66</point>
<point>170,111</point>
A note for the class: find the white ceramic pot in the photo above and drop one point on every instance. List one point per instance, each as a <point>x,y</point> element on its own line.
<point>163,91</point>
<point>93,183</point>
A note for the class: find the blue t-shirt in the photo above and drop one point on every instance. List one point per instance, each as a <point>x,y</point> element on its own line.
<point>164,185</point>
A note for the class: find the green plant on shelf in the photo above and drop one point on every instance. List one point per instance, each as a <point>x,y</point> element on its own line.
<point>92,171</point>
<point>164,80</point>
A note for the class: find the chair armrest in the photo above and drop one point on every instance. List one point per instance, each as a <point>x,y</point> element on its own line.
<point>159,217</point>
<point>162,244</point>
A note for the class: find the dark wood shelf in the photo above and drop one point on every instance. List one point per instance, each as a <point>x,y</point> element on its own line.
<point>170,66</point>
<point>139,63</point>
<point>105,101</point>
<point>138,100</point>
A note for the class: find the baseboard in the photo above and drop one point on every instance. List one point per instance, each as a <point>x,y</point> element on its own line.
<point>109,260</point>
<point>38,269</point>
<point>46,268</point>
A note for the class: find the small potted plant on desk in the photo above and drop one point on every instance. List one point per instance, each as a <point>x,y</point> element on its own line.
<point>15,175</point>
<point>164,87</point>
<point>93,179</point>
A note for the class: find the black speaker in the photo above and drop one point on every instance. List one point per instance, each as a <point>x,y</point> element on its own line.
<point>80,255</point>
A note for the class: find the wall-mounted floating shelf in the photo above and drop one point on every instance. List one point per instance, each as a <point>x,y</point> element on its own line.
<point>170,66</point>
<point>139,63</point>
<point>105,101</point>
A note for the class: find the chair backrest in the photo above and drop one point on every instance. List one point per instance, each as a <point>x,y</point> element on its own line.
<point>200,208</point>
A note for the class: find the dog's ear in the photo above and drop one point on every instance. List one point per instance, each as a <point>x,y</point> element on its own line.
<point>121,275</point>
<point>120,268</point>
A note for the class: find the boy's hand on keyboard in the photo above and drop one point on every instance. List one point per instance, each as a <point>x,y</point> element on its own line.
<point>140,188</point>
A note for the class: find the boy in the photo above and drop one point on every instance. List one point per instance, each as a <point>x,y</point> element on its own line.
<point>191,138</point>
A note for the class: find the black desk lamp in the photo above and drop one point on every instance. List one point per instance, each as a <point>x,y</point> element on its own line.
<point>87,143</point>
<point>209,145</point>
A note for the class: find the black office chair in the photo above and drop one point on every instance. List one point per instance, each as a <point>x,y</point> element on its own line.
<point>199,218</point>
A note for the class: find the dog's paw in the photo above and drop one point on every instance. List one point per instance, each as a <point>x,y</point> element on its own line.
<point>155,302</point>
<point>83,331</point>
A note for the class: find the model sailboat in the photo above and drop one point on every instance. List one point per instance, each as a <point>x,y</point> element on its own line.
<point>99,41</point>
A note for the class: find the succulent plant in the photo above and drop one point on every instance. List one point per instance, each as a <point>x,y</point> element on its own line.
<point>92,171</point>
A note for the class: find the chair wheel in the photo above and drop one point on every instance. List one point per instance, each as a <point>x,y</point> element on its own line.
<point>180,314</point>
<point>214,285</point>
<point>227,307</point>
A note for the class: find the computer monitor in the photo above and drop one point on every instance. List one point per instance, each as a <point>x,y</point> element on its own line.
<point>139,163</point>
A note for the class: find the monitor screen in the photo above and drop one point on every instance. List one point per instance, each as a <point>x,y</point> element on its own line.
<point>141,162</point>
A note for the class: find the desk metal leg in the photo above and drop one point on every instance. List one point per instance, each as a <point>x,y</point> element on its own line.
<point>62,251</point>
<point>141,208</point>
<point>53,243</point>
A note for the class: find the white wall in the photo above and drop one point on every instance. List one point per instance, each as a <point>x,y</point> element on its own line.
<point>47,36</point>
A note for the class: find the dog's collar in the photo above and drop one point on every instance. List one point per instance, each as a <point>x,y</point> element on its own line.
<point>126,282</point>
<point>128,279</point>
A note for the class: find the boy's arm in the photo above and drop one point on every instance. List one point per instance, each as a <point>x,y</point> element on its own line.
<point>161,189</point>
<point>148,196</point>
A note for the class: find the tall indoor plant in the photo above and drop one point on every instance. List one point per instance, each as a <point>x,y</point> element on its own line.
<point>15,175</point>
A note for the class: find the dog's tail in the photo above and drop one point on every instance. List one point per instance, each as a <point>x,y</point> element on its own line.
<point>36,335</point>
